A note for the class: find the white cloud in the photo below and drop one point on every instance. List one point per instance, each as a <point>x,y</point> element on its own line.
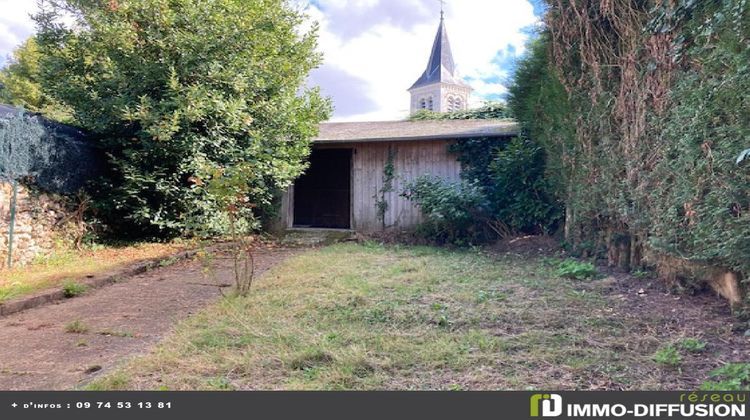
<point>390,55</point>
<point>15,24</point>
<point>375,49</point>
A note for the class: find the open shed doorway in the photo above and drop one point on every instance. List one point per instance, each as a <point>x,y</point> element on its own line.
<point>322,196</point>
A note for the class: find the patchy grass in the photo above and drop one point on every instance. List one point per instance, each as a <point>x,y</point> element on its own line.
<point>668,356</point>
<point>730,377</point>
<point>76,327</point>
<point>693,345</point>
<point>372,317</point>
<point>61,267</point>
<point>572,269</point>
<point>72,289</point>
<point>111,333</point>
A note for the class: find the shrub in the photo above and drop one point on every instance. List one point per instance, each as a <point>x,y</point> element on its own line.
<point>693,345</point>
<point>731,377</point>
<point>72,289</point>
<point>169,87</point>
<point>509,173</point>
<point>454,212</point>
<point>701,201</point>
<point>576,270</point>
<point>519,193</point>
<point>668,356</point>
<point>490,110</point>
<point>76,327</point>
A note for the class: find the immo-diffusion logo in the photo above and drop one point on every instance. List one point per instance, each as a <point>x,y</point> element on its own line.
<point>551,405</point>
<point>711,405</point>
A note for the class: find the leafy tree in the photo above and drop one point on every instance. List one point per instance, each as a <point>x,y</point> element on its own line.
<point>20,84</point>
<point>172,86</point>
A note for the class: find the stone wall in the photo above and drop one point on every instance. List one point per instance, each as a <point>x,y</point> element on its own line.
<point>39,222</point>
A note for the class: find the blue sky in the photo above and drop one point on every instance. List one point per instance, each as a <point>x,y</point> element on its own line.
<point>375,49</point>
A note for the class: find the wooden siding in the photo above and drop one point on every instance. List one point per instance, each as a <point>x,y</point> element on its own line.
<point>412,159</point>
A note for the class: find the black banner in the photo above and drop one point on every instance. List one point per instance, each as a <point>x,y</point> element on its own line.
<point>374,405</point>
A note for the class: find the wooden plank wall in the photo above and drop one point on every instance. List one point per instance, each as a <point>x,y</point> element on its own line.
<point>412,159</point>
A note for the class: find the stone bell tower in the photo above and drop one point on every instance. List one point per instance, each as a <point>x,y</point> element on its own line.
<point>440,89</point>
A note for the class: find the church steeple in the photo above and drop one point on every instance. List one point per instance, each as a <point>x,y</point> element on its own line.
<point>440,88</point>
<point>441,66</point>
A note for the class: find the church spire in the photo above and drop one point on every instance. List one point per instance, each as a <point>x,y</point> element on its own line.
<point>440,67</point>
<point>440,88</point>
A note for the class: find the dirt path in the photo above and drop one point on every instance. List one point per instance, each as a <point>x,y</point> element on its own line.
<point>121,320</point>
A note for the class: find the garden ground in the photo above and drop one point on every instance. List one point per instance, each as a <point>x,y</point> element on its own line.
<point>368,316</point>
<point>66,265</point>
<point>64,345</point>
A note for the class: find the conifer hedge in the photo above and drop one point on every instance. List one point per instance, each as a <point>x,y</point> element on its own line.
<point>642,108</point>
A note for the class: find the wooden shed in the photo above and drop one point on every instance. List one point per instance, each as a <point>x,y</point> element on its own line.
<point>341,188</point>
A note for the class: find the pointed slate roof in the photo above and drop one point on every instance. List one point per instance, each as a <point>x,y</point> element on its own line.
<point>441,68</point>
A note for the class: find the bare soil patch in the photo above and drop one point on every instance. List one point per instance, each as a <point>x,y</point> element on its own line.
<point>65,345</point>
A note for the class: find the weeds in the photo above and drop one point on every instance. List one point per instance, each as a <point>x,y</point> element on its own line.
<point>169,261</point>
<point>642,274</point>
<point>668,356</point>
<point>693,345</point>
<point>109,333</point>
<point>117,381</point>
<point>731,377</point>
<point>76,327</point>
<point>576,270</point>
<point>310,360</point>
<point>220,383</point>
<point>352,317</point>
<point>72,289</point>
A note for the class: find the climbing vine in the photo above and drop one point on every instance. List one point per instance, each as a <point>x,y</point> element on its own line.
<point>389,175</point>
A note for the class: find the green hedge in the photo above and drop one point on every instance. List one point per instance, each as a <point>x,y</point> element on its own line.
<point>642,109</point>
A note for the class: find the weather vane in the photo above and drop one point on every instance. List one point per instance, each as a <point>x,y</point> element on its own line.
<point>442,7</point>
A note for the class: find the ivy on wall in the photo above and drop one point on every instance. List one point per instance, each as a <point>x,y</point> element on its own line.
<point>389,175</point>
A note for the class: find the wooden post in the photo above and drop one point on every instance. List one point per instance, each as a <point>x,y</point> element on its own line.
<point>12,223</point>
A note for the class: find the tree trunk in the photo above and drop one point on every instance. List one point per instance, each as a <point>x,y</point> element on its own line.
<point>569,219</point>
<point>624,254</point>
<point>636,253</point>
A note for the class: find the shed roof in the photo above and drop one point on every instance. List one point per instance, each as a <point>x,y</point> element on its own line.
<point>361,132</point>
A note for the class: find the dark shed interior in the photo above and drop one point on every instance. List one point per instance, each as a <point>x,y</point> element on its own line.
<point>322,196</point>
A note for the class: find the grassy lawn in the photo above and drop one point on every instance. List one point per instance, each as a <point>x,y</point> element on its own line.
<point>372,317</point>
<point>69,265</point>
